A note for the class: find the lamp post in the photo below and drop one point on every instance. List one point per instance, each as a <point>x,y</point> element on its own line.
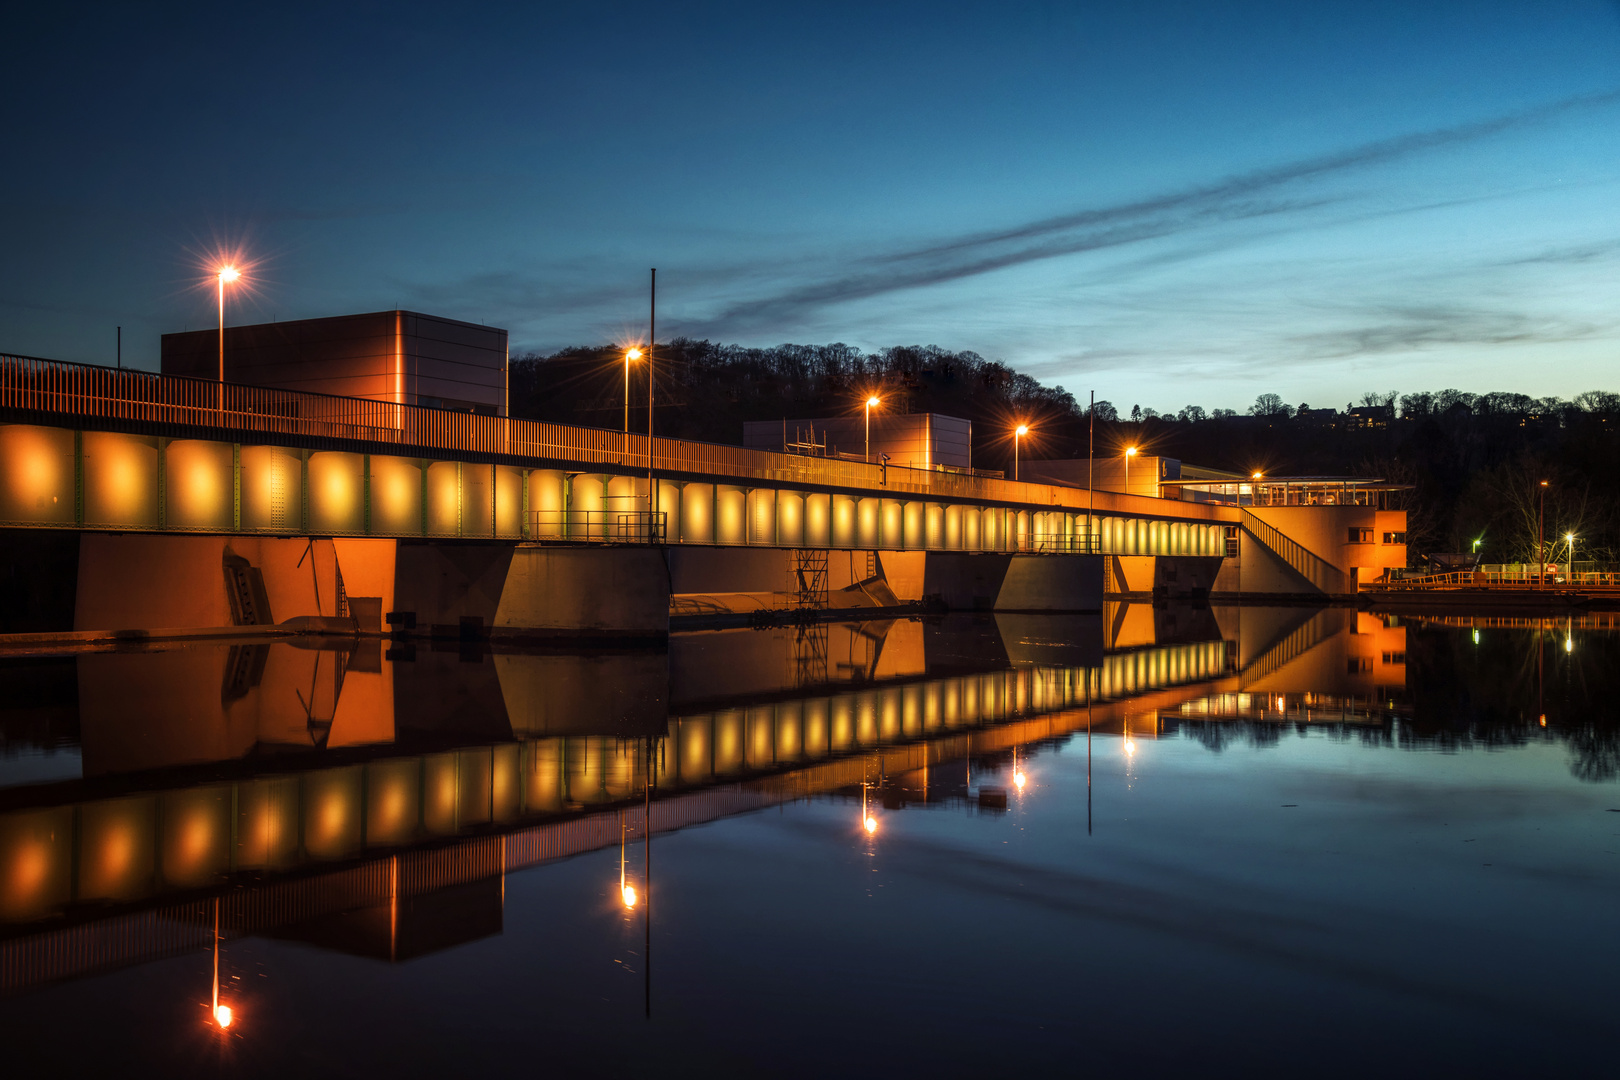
<point>1569,538</point>
<point>630,356</point>
<point>1541,555</point>
<point>1019,432</point>
<point>871,403</point>
<point>226,275</point>
<point>1130,452</point>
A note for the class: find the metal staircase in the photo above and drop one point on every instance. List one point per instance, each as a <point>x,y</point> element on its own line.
<point>1312,567</point>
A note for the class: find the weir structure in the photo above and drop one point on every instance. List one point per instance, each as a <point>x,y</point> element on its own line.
<point>454,523</point>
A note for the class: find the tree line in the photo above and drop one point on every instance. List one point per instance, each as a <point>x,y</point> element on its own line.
<point>1474,461</point>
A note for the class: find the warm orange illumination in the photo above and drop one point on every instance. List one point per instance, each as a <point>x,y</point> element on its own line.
<point>1023,429</point>
<point>228,274</point>
<point>628,893</point>
<point>1019,779</point>
<point>1257,476</point>
<point>872,403</point>
<point>1130,451</point>
<point>1130,747</point>
<point>222,1016</point>
<point>633,354</point>
<point>870,823</point>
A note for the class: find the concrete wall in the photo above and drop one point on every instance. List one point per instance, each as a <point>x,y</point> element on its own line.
<point>974,582</point>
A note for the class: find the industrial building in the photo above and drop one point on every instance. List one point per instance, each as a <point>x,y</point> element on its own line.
<point>402,357</point>
<point>914,440</point>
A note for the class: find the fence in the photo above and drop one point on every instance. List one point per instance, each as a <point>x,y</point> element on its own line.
<point>602,526</point>
<point>56,388</point>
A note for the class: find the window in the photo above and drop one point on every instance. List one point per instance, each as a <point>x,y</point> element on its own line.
<point>1231,541</point>
<point>1394,538</point>
<point>1360,536</point>
<point>1358,664</point>
<point>1394,658</point>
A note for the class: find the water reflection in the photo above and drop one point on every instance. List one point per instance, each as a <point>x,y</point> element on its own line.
<point>371,798</point>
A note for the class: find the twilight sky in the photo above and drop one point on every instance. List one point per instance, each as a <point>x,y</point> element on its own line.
<point>1167,203</point>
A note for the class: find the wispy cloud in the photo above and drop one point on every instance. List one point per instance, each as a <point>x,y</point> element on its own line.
<point>1256,195</point>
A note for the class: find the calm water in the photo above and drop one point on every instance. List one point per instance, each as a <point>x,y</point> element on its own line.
<point>1245,840</point>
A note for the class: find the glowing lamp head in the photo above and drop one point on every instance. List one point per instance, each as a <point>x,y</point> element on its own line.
<point>871,402</point>
<point>1569,536</point>
<point>1256,476</point>
<point>870,824</point>
<point>628,894</point>
<point>633,354</point>
<point>1023,429</point>
<point>228,274</point>
<point>1130,451</point>
<point>222,1016</point>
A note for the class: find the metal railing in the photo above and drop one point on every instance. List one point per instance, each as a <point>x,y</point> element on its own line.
<point>41,388</point>
<point>1311,566</point>
<point>598,526</point>
<point>1477,579</point>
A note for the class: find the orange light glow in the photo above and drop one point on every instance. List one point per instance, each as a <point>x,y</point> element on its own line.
<point>1130,747</point>
<point>1130,451</point>
<point>1023,429</point>
<point>628,893</point>
<point>222,1016</point>
<point>1019,780</point>
<point>228,274</point>
<point>1257,476</point>
<point>871,403</point>
<point>871,824</point>
<point>632,354</point>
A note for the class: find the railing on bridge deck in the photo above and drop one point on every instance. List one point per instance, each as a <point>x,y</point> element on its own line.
<point>38,388</point>
<point>599,526</point>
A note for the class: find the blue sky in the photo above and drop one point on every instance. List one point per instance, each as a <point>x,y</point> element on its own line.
<point>1167,203</point>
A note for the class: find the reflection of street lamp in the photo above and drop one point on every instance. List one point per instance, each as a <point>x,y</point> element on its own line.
<point>221,1013</point>
<point>1130,452</point>
<point>868,822</point>
<point>871,403</point>
<point>1019,432</point>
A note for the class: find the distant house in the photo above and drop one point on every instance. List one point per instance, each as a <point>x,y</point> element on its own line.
<point>1370,416</point>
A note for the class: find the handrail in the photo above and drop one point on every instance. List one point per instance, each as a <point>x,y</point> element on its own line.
<point>1311,566</point>
<point>62,388</point>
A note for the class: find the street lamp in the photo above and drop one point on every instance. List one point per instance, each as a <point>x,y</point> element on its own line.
<point>630,355</point>
<point>225,276</point>
<point>1019,432</point>
<point>871,403</point>
<point>1541,555</point>
<point>1130,452</point>
<point>1569,538</point>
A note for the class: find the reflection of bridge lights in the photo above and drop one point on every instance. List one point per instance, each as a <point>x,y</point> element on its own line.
<point>1130,747</point>
<point>1569,644</point>
<point>628,893</point>
<point>870,824</point>
<point>1019,780</point>
<point>223,1016</point>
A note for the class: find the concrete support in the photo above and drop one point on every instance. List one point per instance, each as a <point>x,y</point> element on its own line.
<point>1007,582</point>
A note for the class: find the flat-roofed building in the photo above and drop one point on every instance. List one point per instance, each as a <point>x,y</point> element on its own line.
<point>404,357</point>
<point>913,440</point>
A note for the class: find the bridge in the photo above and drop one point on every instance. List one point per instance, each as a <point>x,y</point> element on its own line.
<point>110,451</point>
